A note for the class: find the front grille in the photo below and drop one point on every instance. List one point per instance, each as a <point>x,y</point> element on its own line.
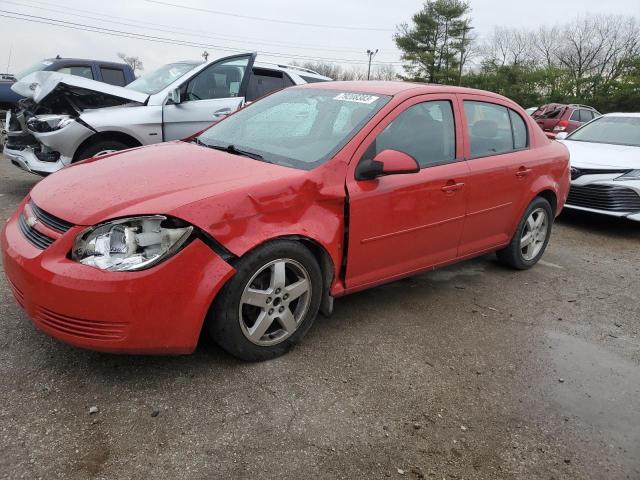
<point>36,238</point>
<point>604,197</point>
<point>579,172</point>
<point>49,220</point>
<point>81,327</point>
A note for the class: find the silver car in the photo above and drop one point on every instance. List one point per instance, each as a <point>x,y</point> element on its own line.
<point>67,118</point>
<point>605,166</point>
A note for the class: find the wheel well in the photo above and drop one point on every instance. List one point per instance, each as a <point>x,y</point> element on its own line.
<point>321,255</point>
<point>550,197</point>
<point>102,136</point>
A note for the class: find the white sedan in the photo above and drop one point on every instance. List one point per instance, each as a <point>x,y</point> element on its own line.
<point>605,165</point>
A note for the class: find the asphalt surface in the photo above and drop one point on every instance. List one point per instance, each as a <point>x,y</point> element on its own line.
<point>473,371</point>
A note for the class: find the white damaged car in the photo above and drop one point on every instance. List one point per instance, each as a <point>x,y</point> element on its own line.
<point>605,165</point>
<point>67,118</point>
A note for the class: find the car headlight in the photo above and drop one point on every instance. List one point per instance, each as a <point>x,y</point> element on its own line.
<point>632,175</point>
<point>48,123</point>
<point>130,244</point>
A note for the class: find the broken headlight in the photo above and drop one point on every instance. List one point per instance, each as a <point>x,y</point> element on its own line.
<point>130,244</point>
<point>48,123</point>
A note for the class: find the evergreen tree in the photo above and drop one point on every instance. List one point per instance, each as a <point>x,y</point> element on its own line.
<point>436,45</point>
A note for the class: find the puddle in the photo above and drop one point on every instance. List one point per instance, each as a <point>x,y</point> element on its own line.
<point>602,390</point>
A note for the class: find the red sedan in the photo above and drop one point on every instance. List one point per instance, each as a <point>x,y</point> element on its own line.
<point>258,223</point>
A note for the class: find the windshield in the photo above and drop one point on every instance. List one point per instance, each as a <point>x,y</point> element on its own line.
<point>36,67</point>
<point>161,78</point>
<point>297,127</point>
<point>612,130</point>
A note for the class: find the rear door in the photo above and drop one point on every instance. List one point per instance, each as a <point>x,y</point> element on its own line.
<point>400,224</point>
<point>500,172</point>
<point>208,97</point>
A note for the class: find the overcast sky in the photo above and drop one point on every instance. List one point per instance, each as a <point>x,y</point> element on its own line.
<point>362,24</point>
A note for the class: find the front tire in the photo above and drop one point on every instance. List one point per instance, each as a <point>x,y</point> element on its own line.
<point>531,237</point>
<point>100,148</point>
<point>269,304</point>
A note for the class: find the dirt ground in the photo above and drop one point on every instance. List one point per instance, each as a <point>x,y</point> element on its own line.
<point>473,371</point>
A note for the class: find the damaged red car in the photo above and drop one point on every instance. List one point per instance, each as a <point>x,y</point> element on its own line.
<point>257,224</point>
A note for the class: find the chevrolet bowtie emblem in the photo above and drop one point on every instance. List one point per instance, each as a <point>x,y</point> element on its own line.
<point>31,221</point>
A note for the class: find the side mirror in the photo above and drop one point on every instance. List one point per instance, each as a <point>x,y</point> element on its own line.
<point>561,135</point>
<point>387,162</point>
<point>174,97</point>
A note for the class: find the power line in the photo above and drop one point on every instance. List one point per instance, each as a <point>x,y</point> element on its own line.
<point>168,28</point>
<point>157,39</point>
<point>273,20</point>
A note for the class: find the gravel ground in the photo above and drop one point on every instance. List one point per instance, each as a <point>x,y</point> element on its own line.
<point>473,371</point>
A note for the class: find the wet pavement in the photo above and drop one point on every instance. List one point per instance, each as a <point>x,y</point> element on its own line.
<point>473,371</point>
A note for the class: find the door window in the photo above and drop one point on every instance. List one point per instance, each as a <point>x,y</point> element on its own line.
<point>519,131</point>
<point>426,131</point>
<point>263,82</point>
<point>79,71</point>
<point>113,76</point>
<point>575,116</point>
<point>494,129</point>
<point>220,80</point>
<point>586,116</point>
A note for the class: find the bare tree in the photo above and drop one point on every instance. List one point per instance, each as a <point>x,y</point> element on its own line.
<point>596,50</point>
<point>134,62</point>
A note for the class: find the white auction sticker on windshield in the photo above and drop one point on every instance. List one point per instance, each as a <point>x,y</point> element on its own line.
<point>356,97</point>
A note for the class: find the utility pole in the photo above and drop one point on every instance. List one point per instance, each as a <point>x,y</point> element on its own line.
<point>371,54</point>
<point>205,55</point>
<point>9,60</point>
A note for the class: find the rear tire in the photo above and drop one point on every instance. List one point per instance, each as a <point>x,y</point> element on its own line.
<point>269,304</point>
<point>531,237</point>
<point>101,147</point>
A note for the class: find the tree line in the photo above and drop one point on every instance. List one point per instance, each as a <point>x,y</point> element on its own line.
<point>591,59</point>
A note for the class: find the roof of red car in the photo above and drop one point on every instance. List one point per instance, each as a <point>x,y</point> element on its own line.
<point>394,87</point>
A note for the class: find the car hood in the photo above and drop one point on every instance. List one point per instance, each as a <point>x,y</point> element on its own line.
<point>44,84</point>
<point>602,155</point>
<point>157,179</point>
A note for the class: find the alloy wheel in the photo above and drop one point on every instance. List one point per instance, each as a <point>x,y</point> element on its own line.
<point>274,302</point>
<point>534,234</point>
<point>104,152</point>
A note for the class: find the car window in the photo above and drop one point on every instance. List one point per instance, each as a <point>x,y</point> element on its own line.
<point>296,127</point>
<point>220,80</point>
<point>263,82</point>
<point>79,71</point>
<point>490,129</point>
<point>161,78</point>
<point>113,76</point>
<point>520,136</point>
<point>623,130</point>
<point>426,131</point>
<point>575,116</point>
<point>586,116</point>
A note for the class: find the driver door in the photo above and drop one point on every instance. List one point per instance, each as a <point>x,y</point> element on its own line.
<point>399,224</point>
<point>208,96</point>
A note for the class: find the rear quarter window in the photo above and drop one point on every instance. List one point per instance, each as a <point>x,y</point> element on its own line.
<point>113,76</point>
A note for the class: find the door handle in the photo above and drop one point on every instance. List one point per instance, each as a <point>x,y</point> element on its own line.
<point>223,112</point>
<point>452,186</point>
<point>523,172</point>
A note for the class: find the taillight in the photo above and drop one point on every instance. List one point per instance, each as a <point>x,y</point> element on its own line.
<point>561,126</point>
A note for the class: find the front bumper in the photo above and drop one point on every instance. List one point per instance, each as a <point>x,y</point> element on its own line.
<point>602,194</point>
<point>26,159</point>
<point>156,311</point>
